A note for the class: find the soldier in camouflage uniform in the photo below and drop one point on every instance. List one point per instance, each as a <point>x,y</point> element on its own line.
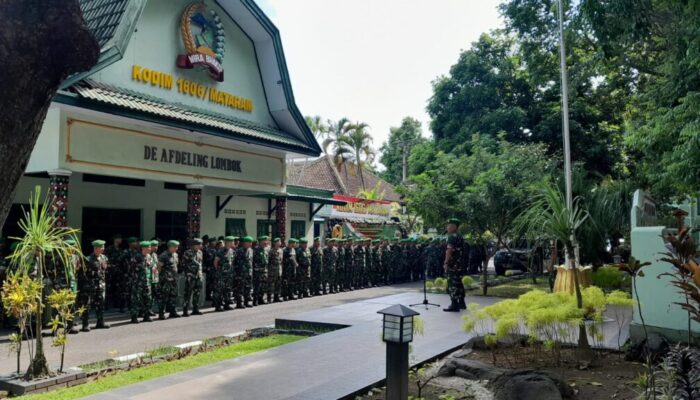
<point>303,275</point>
<point>213,272</point>
<point>225,261</point>
<point>243,269</point>
<point>328,281</point>
<point>375,256</point>
<point>114,254</point>
<point>260,262</point>
<point>136,280</point>
<point>67,278</point>
<point>167,281</point>
<point>289,269</point>
<point>317,284</point>
<point>340,265</point>
<point>207,263</point>
<point>359,264</point>
<point>192,266</point>
<point>145,281</point>
<point>349,264</point>
<point>453,258</point>
<point>274,272</point>
<point>91,286</point>
<point>154,275</point>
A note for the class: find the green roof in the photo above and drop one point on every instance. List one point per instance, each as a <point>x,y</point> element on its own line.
<point>149,105</point>
<point>103,17</point>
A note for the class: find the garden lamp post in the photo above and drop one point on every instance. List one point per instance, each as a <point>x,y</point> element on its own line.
<point>397,333</point>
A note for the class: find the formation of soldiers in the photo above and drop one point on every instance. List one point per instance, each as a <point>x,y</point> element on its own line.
<point>245,272</point>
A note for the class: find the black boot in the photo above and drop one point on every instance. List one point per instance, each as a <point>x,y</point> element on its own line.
<point>195,311</point>
<point>454,307</point>
<point>173,314</point>
<point>462,304</point>
<point>185,313</point>
<point>218,309</point>
<point>147,318</point>
<point>161,316</point>
<point>240,306</point>
<point>101,325</point>
<point>134,320</point>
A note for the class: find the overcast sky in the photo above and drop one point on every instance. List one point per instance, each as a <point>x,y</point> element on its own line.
<point>374,60</point>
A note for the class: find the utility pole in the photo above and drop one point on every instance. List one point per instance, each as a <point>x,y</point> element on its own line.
<point>565,122</point>
<point>404,162</point>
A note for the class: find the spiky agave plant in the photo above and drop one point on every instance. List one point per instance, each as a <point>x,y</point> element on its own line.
<point>41,238</point>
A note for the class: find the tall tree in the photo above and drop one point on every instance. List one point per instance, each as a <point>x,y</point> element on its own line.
<point>358,144</point>
<point>508,82</point>
<point>397,150</point>
<point>35,62</point>
<point>658,42</point>
<point>598,91</point>
<point>333,144</point>
<point>487,92</point>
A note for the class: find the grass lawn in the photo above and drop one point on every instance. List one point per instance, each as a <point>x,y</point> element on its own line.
<point>512,290</point>
<point>166,368</point>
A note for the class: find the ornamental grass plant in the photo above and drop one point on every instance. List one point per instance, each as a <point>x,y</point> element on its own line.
<point>547,320</point>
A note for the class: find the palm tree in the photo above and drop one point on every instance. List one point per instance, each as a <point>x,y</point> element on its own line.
<point>549,216</point>
<point>372,194</point>
<point>41,238</point>
<point>317,126</point>
<point>334,131</point>
<point>358,143</point>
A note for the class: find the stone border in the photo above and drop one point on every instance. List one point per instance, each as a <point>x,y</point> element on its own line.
<point>16,386</point>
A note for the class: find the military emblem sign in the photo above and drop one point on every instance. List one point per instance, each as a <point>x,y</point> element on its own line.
<point>203,37</point>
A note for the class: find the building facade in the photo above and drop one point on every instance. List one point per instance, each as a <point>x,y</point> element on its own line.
<point>184,128</point>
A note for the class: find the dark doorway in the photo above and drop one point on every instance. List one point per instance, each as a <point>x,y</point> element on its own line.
<point>103,223</point>
<point>171,225</point>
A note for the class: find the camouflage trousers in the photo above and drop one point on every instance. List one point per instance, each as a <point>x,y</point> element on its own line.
<point>455,288</point>
<point>303,282</point>
<point>315,283</point>
<point>242,287</point>
<point>260,286</point>
<point>274,285</point>
<point>193,288</point>
<point>227,282</point>
<point>168,293</point>
<point>288,283</point>
<point>92,297</point>
<point>215,282</point>
<point>140,299</point>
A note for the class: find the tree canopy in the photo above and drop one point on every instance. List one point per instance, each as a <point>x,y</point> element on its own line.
<point>401,138</point>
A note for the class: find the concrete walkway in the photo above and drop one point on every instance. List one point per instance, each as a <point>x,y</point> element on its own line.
<point>329,366</point>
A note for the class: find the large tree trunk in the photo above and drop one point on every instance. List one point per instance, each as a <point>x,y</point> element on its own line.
<point>42,42</point>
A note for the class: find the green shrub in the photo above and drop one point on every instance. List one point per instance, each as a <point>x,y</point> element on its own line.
<point>550,319</point>
<point>429,285</point>
<point>440,283</point>
<point>509,272</point>
<point>610,278</point>
<point>467,281</point>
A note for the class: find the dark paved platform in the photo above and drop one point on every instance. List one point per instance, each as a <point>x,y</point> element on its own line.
<point>329,366</point>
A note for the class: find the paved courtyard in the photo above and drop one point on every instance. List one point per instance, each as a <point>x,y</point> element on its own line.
<point>329,366</point>
<point>124,338</point>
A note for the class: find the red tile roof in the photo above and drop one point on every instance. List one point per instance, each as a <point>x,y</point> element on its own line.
<point>322,173</point>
